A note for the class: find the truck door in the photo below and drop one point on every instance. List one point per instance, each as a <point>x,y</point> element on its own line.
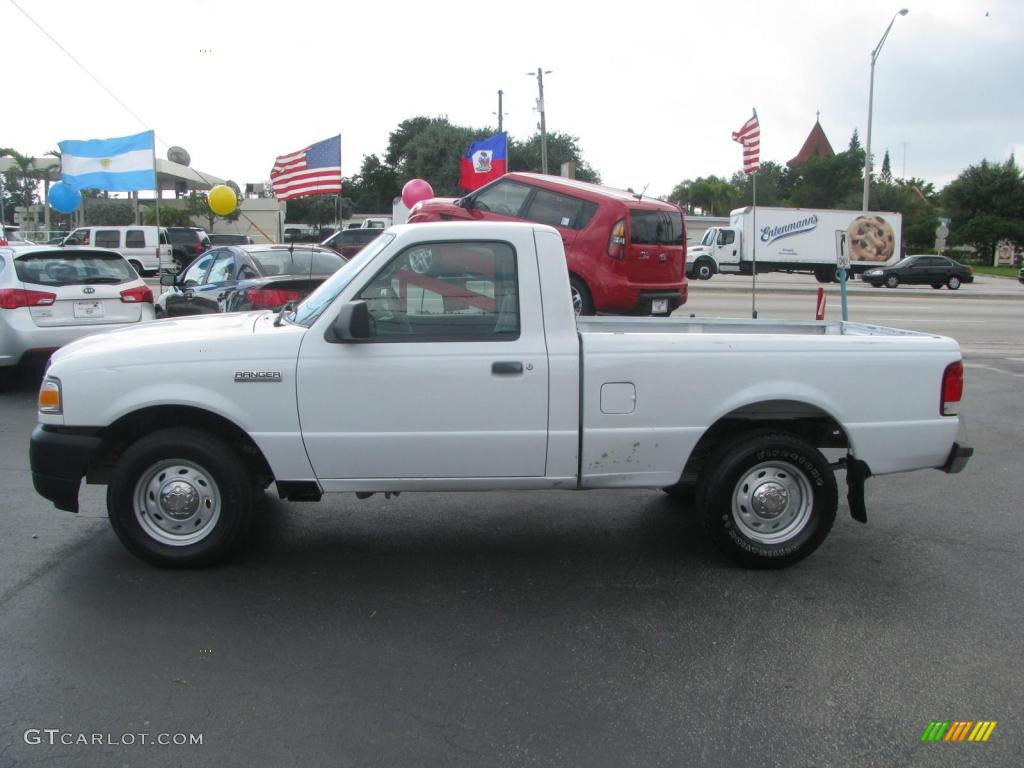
<point>451,383</point>
<point>728,246</point>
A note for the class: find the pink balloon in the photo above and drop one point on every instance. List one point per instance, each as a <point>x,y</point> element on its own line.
<point>416,190</point>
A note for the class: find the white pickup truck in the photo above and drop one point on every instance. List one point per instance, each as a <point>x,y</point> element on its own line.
<point>447,357</point>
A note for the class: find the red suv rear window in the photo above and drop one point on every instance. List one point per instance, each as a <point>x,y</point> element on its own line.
<point>656,227</point>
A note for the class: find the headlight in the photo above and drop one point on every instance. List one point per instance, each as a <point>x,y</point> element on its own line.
<point>50,400</point>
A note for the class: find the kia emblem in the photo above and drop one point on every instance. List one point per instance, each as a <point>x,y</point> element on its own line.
<point>88,289</point>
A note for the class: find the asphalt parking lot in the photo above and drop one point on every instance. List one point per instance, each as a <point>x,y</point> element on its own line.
<point>542,629</point>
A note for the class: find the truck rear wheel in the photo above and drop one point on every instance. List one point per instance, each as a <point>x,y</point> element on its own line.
<point>768,499</point>
<point>180,498</point>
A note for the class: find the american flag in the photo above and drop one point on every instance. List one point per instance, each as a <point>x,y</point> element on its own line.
<point>750,137</point>
<point>314,170</point>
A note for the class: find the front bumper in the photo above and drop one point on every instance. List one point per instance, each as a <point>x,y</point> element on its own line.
<point>958,458</point>
<point>59,459</point>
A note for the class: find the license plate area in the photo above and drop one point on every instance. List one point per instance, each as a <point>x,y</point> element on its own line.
<point>659,306</point>
<point>88,309</point>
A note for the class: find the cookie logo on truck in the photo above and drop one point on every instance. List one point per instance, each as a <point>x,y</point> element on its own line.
<point>770,234</point>
<point>871,239</point>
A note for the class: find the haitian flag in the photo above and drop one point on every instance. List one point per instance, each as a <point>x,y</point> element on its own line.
<point>486,161</point>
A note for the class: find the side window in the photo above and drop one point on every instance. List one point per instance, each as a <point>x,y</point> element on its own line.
<point>134,238</point>
<point>554,209</point>
<point>726,237</point>
<point>81,236</point>
<point>108,238</point>
<point>464,291</point>
<point>223,268</point>
<point>505,197</point>
<point>197,272</point>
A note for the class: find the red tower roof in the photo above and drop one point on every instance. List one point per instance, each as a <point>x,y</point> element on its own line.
<point>817,144</point>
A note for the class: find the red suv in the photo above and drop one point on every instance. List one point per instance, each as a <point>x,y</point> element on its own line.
<point>625,255</point>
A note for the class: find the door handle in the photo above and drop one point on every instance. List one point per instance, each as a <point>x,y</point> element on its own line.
<point>505,368</point>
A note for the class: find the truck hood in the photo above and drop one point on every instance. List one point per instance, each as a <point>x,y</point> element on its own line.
<point>181,341</point>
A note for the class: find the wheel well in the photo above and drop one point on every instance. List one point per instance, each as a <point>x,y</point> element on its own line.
<point>120,435</point>
<point>805,421</point>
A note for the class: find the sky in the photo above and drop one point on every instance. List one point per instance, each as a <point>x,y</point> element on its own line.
<point>653,91</point>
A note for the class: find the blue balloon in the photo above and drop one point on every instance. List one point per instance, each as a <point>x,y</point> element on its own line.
<point>64,198</point>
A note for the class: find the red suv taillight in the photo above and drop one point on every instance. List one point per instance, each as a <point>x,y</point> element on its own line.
<point>198,247</point>
<point>617,242</point>
<point>12,298</point>
<point>952,388</point>
<point>269,298</point>
<point>141,294</point>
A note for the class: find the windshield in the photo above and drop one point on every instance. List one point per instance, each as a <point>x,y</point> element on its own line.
<point>310,309</point>
<point>709,237</point>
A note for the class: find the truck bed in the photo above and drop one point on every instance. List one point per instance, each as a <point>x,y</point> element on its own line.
<point>726,325</point>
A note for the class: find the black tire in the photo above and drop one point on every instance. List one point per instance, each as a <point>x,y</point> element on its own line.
<point>825,274</point>
<point>704,269</point>
<point>582,303</point>
<point>953,282</point>
<point>936,286</point>
<point>785,470</point>
<point>213,496</point>
<point>892,281</point>
<point>137,266</point>
<point>682,492</point>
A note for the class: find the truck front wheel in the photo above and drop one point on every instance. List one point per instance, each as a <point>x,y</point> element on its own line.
<point>768,499</point>
<point>704,269</point>
<point>180,498</point>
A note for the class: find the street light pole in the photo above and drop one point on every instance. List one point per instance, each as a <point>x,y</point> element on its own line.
<point>543,125</point>
<point>871,96</point>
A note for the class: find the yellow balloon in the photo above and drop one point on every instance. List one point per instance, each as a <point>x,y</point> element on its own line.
<point>222,200</point>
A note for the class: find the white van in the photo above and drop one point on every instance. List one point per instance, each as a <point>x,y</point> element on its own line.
<point>138,243</point>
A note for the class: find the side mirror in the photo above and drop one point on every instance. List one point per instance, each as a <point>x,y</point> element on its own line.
<point>351,324</point>
<point>71,241</point>
<point>168,279</point>
<point>465,202</point>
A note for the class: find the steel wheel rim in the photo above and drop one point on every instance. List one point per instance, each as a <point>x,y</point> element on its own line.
<point>953,282</point>
<point>772,502</point>
<point>177,503</point>
<point>892,282</point>
<point>703,271</point>
<point>577,300</point>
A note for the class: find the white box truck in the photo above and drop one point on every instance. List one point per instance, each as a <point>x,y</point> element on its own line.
<point>797,240</point>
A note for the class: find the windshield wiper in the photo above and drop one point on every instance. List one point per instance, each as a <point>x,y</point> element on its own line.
<point>288,307</point>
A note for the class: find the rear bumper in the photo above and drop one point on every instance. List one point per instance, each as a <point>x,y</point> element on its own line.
<point>631,298</point>
<point>19,334</point>
<point>59,460</point>
<point>959,455</point>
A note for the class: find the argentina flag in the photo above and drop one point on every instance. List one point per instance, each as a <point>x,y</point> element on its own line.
<point>123,164</point>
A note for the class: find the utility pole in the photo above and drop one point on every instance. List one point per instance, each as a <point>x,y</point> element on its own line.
<point>543,125</point>
<point>500,113</point>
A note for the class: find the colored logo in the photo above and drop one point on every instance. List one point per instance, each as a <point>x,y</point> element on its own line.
<point>770,234</point>
<point>958,730</point>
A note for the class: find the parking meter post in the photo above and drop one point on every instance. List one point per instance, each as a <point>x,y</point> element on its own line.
<point>842,293</point>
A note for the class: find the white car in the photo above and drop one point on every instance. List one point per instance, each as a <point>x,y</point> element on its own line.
<point>51,295</point>
<point>11,237</point>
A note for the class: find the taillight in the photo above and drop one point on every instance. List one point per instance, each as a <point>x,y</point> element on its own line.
<point>952,388</point>
<point>198,247</point>
<point>617,242</point>
<point>140,294</point>
<point>12,298</point>
<point>269,298</point>
<point>2,242</point>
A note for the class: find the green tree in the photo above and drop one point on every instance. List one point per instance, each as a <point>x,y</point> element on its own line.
<point>100,212</point>
<point>774,185</point>
<point>376,187</point>
<point>314,210</point>
<point>712,195</point>
<point>562,148</point>
<point>169,216</point>
<point>17,187</point>
<point>829,182</point>
<point>885,175</point>
<point>430,149</point>
<point>986,204</point>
